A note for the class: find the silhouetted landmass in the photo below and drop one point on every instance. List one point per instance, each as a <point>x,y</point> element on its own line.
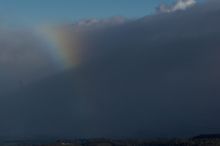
<point>207,136</point>
<point>200,140</point>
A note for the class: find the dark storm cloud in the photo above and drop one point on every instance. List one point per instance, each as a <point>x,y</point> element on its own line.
<point>152,77</point>
<point>23,58</point>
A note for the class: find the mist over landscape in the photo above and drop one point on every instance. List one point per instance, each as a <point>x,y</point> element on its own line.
<point>151,76</point>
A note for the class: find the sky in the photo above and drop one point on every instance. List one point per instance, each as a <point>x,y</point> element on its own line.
<point>32,12</point>
<point>153,76</point>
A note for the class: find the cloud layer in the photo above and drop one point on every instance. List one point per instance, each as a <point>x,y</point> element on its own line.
<point>157,76</point>
<point>23,58</point>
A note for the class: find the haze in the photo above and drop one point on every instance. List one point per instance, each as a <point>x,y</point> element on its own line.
<point>117,70</point>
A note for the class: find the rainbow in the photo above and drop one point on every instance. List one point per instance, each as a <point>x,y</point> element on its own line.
<point>61,44</point>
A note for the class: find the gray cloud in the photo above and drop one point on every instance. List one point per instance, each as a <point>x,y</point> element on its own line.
<point>100,22</point>
<point>157,76</point>
<point>23,58</point>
